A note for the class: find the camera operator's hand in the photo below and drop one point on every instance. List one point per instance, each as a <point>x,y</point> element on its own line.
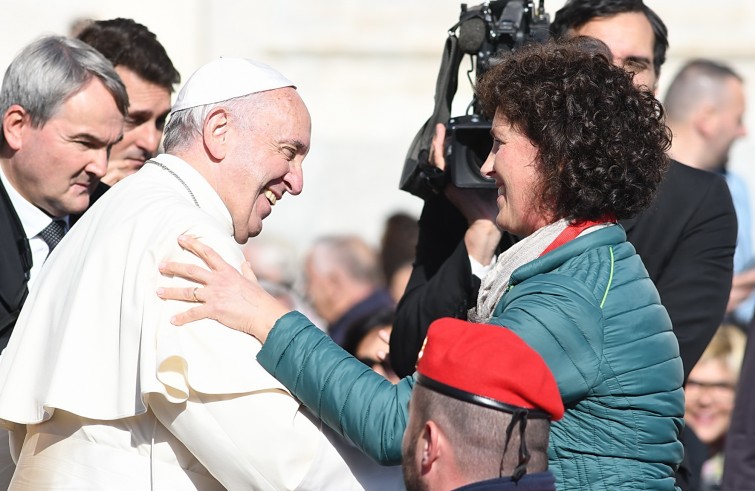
<point>437,149</point>
<point>477,205</point>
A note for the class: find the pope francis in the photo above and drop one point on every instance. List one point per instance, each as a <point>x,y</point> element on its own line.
<point>97,387</point>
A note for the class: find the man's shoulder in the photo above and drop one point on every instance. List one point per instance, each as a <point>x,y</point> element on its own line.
<point>540,481</point>
<point>684,194</point>
<point>680,174</point>
<point>687,192</point>
<point>692,211</point>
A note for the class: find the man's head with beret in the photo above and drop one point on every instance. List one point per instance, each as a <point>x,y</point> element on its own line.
<point>481,408</point>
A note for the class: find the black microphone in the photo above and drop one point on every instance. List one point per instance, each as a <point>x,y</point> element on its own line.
<point>471,35</point>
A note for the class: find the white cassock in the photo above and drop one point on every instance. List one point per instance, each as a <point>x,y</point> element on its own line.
<point>112,396</point>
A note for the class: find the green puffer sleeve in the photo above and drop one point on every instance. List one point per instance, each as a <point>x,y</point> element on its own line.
<point>348,396</point>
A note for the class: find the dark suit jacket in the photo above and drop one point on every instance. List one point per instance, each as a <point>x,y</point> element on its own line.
<point>15,264</point>
<point>686,239</point>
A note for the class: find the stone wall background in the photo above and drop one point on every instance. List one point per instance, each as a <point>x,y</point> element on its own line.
<point>367,71</point>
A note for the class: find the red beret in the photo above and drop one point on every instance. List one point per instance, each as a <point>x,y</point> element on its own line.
<point>487,365</point>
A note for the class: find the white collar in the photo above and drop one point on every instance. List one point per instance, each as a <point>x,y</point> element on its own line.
<point>203,192</point>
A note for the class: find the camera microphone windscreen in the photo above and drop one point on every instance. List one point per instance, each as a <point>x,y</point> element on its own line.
<point>471,35</point>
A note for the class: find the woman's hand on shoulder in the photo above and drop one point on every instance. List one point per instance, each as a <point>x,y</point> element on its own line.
<point>234,299</point>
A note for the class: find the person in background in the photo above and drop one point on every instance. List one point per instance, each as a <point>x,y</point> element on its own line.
<point>344,284</point>
<point>739,464</point>
<point>397,250</point>
<point>687,236</point>
<point>149,76</point>
<point>573,288</point>
<point>367,344</point>
<point>709,399</point>
<point>274,261</point>
<point>705,106</point>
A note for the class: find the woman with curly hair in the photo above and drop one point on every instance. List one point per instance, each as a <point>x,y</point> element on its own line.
<point>576,147</point>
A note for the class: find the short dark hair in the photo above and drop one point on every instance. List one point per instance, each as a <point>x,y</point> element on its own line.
<point>129,44</point>
<point>576,13</point>
<point>601,141</point>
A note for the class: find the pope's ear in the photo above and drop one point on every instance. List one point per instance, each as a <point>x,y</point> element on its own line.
<point>215,133</point>
<point>15,121</point>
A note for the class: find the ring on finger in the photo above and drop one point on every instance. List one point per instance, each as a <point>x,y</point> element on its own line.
<point>194,294</point>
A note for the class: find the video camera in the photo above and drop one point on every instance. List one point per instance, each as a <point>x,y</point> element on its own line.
<point>485,32</point>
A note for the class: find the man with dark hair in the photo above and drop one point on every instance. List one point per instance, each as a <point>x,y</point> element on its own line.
<point>619,21</point>
<point>480,412</point>
<point>149,76</point>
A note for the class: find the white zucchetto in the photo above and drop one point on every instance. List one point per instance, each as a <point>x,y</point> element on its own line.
<point>228,78</point>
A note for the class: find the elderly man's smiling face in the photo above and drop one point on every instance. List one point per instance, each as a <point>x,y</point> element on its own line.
<point>265,159</point>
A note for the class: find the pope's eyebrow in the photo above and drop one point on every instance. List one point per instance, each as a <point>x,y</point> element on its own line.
<point>298,144</point>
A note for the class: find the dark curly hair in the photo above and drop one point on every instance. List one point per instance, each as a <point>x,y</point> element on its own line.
<point>601,141</point>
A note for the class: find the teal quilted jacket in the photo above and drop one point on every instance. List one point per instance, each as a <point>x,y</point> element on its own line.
<point>590,310</point>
